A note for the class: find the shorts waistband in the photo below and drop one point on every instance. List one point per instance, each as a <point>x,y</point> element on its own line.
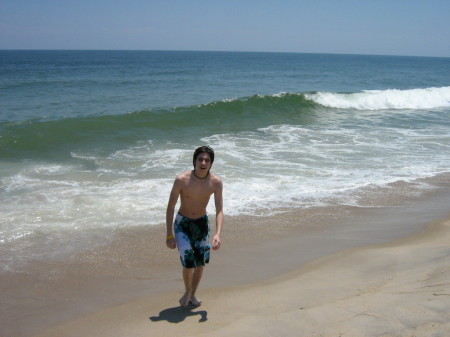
<point>190,219</point>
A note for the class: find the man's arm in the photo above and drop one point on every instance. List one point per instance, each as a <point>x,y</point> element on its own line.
<point>173,198</point>
<point>218,200</point>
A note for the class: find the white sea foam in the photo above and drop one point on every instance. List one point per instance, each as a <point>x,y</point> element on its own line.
<point>428,98</point>
<point>278,166</point>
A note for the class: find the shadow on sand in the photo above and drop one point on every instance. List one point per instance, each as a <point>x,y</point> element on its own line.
<point>179,314</point>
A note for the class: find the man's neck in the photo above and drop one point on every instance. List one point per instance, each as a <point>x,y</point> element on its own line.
<point>199,176</point>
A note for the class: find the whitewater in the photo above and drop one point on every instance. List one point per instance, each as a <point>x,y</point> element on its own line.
<point>423,98</point>
<point>290,132</point>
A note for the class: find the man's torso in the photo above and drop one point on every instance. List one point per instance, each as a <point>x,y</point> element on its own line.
<point>195,194</point>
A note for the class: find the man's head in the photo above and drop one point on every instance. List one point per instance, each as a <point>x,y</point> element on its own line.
<point>201,151</point>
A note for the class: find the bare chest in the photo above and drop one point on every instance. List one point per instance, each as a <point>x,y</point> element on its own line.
<point>197,190</point>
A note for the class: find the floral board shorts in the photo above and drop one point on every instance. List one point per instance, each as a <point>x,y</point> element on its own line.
<point>192,236</point>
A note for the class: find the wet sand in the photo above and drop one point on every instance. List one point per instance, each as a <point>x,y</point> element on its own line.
<point>398,289</point>
<point>339,271</point>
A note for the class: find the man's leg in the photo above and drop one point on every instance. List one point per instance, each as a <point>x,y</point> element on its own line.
<point>188,276</point>
<point>198,272</point>
<point>191,278</point>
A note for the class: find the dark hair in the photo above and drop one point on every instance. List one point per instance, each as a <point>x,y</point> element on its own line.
<point>203,149</point>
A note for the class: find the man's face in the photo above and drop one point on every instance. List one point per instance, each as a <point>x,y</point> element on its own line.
<point>203,162</point>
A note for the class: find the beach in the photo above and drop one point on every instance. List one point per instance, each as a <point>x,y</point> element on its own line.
<point>336,190</point>
<point>340,274</point>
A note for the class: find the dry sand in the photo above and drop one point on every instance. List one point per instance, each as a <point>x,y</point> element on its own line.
<point>396,289</point>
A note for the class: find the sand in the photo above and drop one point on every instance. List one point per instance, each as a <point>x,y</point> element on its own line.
<point>342,271</point>
<point>396,289</point>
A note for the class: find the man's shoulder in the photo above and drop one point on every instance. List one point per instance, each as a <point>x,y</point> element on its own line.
<point>184,176</point>
<point>216,179</point>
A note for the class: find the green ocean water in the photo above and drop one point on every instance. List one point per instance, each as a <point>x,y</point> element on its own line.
<point>93,139</point>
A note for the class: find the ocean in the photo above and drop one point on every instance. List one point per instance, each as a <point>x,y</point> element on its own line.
<point>91,141</point>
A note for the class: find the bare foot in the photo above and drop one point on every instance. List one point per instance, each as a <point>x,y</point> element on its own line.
<point>195,302</point>
<point>185,299</point>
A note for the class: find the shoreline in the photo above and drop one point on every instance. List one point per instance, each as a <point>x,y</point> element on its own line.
<point>399,288</point>
<point>51,295</point>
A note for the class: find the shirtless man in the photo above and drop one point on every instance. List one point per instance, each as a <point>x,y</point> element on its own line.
<point>190,230</point>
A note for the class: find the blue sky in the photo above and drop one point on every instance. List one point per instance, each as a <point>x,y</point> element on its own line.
<point>388,27</point>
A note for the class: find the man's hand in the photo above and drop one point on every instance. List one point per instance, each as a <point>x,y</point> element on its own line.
<point>171,243</point>
<point>216,242</point>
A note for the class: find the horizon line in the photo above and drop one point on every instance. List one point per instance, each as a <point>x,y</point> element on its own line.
<point>221,51</point>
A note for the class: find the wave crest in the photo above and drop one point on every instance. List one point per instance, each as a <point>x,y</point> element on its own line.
<point>427,98</point>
